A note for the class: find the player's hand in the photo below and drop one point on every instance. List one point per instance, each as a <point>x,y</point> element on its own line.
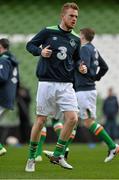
<point>83,68</point>
<point>46,52</point>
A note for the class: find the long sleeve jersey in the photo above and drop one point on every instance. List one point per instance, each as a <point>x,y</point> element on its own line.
<point>96,67</point>
<point>65,48</point>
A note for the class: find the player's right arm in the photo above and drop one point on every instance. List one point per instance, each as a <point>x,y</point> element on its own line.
<point>33,46</point>
<point>85,58</point>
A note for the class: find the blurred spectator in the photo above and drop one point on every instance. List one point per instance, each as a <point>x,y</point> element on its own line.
<point>9,78</point>
<point>110,110</point>
<point>23,103</point>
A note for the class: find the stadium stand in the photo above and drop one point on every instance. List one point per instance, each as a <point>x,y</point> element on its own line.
<point>27,16</point>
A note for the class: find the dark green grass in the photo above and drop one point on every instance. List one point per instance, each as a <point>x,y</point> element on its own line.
<point>87,162</point>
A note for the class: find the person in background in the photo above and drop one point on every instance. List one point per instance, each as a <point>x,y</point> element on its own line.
<point>85,88</point>
<point>110,111</point>
<point>84,85</point>
<point>9,79</point>
<point>23,104</point>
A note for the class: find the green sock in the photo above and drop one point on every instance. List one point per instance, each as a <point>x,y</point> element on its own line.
<point>100,132</point>
<point>32,149</point>
<point>59,149</point>
<point>57,125</point>
<point>41,142</point>
<point>1,146</point>
<point>70,140</point>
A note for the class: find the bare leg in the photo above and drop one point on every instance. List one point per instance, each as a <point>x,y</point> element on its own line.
<point>69,124</point>
<point>36,129</point>
<point>35,135</point>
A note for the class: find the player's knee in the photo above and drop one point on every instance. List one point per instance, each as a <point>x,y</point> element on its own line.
<point>88,122</point>
<point>73,120</point>
<point>40,121</point>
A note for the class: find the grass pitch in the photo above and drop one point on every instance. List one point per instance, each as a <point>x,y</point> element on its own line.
<point>87,162</point>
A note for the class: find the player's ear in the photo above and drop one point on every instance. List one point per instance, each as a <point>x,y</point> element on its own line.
<point>62,15</point>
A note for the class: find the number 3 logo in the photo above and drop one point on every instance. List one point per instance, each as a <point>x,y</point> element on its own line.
<point>63,53</point>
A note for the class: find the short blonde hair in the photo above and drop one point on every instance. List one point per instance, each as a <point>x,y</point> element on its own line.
<point>69,5</point>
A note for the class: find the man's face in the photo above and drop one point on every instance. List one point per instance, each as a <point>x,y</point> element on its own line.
<point>70,18</point>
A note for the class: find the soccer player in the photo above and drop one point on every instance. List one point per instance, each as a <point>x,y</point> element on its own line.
<point>8,80</point>
<point>86,91</point>
<point>58,55</point>
<point>84,85</point>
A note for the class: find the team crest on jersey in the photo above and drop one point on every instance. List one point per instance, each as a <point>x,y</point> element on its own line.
<point>72,42</point>
<point>54,38</point>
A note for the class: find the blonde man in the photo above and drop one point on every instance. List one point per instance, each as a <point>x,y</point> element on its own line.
<point>58,56</point>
